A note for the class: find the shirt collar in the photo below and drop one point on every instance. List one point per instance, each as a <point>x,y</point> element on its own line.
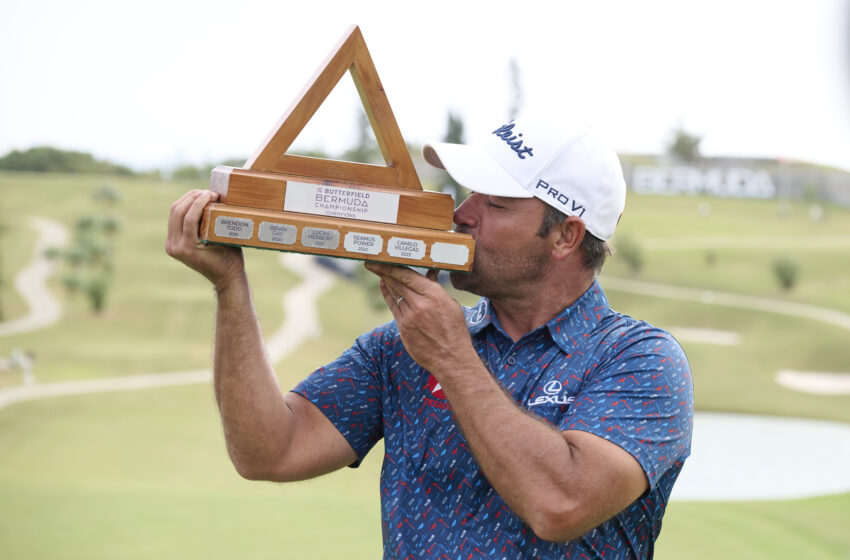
<point>478,317</point>
<point>579,318</point>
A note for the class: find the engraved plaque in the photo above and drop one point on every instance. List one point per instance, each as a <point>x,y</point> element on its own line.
<point>282,234</point>
<point>449,253</point>
<point>320,238</point>
<point>236,228</point>
<point>406,248</point>
<point>365,243</point>
<point>341,202</point>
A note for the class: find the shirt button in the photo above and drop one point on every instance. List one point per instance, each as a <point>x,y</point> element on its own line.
<point>511,360</point>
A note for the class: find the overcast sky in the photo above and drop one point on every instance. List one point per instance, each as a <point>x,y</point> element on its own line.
<point>160,83</point>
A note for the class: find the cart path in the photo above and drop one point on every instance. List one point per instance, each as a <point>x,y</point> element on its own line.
<point>31,281</point>
<point>301,322</point>
<point>751,242</point>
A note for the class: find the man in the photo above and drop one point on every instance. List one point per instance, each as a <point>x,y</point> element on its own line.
<point>538,424</point>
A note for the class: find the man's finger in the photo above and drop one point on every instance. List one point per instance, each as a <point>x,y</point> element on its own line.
<point>381,269</point>
<point>178,212</point>
<point>193,215</point>
<point>398,289</point>
<point>400,274</point>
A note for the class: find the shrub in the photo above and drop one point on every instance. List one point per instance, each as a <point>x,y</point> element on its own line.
<point>630,252</point>
<point>88,259</point>
<point>786,271</point>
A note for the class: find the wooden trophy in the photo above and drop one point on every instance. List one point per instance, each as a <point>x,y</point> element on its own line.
<point>337,208</point>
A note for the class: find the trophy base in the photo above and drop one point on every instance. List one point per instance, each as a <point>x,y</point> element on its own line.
<point>336,237</point>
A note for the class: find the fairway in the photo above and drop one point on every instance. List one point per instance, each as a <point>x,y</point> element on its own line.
<point>144,474</point>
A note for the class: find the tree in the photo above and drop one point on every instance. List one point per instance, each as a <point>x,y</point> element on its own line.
<point>108,195</point>
<point>630,251</point>
<point>2,234</point>
<point>454,129</point>
<point>88,259</point>
<point>516,88</point>
<point>684,146</point>
<point>191,173</point>
<point>454,135</point>
<point>47,159</point>
<point>365,149</point>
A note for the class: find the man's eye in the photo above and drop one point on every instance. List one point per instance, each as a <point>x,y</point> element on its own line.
<point>493,204</point>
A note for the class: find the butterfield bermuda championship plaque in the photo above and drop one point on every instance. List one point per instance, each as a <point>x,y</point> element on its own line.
<point>337,208</point>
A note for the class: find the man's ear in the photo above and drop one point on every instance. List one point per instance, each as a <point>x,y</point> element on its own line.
<point>566,237</point>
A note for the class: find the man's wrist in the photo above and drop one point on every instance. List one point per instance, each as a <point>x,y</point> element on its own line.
<point>226,285</point>
<point>461,365</point>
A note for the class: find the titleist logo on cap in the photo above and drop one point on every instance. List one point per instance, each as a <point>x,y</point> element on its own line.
<point>505,132</point>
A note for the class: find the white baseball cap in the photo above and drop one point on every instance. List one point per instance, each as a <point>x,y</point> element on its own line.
<point>563,163</point>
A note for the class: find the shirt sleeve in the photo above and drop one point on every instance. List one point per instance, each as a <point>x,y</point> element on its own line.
<point>640,397</point>
<point>348,391</point>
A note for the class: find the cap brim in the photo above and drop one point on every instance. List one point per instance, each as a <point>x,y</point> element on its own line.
<point>475,169</point>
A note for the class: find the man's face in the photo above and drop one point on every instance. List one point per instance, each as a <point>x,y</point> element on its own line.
<point>509,254</point>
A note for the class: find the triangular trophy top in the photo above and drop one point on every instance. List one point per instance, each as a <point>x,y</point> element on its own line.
<point>350,54</point>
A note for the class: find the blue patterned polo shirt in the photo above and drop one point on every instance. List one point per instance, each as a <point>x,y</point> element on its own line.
<point>590,368</point>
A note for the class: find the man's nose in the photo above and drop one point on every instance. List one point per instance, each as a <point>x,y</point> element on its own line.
<point>466,215</point>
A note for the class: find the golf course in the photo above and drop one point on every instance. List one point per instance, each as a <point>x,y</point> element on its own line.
<point>110,441</point>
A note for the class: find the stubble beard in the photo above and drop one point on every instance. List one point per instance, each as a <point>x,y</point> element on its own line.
<point>496,274</point>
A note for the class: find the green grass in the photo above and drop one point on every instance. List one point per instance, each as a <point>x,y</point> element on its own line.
<point>15,254</point>
<point>159,314</point>
<point>665,227</point>
<point>814,529</point>
<point>740,378</point>
<point>145,474</point>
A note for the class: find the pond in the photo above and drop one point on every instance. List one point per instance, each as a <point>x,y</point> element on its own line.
<point>737,457</point>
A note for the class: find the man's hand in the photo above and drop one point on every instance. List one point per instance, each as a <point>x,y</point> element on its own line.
<point>219,263</point>
<point>431,322</point>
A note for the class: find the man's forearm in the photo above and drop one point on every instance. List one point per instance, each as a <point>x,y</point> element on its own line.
<point>261,425</point>
<point>527,461</point>
<point>561,483</point>
<point>256,421</point>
